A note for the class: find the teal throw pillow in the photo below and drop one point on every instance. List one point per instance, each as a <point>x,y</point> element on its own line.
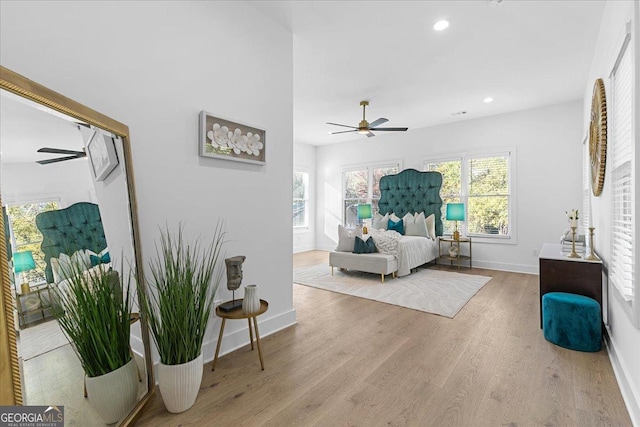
<point>97,259</point>
<point>396,226</point>
<point>364,246</point>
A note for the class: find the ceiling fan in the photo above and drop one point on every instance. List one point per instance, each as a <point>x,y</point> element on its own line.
<point>70,155</point>
<point>365,127</point>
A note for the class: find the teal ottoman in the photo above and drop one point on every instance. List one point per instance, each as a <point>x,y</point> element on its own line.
<point>572,321</point>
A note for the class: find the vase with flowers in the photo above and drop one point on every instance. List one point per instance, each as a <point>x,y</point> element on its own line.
<point>573,223</point>
<point>573,217</point>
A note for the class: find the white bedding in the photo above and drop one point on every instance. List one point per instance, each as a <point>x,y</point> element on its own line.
<point>411,251</point>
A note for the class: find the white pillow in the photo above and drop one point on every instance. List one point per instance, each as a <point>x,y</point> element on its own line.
<point>81,259</point>
<point>417,226</point>
<point>393,217</point>
<point>381,222</point>
<point>347,238</point>
<point>431,226</point>
<point>63,266</point>
<point>60,267</point>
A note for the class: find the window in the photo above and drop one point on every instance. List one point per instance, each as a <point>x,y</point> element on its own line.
<point>621,268</point>
<point>482,183</point>
<point>451,190</point>
<point>362,185</point>
<point>586,184</point>
<point>25,236</point>
<point>300,199</point>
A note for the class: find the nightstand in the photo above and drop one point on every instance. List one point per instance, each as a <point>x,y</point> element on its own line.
<point>459,245</point>
<point>37,300</point>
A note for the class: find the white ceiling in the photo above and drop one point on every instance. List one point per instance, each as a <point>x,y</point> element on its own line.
<point>524,54</point>
<point>26,126</point>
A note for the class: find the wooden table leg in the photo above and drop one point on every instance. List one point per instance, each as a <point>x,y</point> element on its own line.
<point>215,359</point>
<point>250,333</point>
<point>255,325</point>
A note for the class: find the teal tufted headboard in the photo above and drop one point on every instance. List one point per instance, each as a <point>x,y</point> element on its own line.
<point>411,191</point>
<point>68,230</point>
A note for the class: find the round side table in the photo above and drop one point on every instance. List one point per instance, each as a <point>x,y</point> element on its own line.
<point>237,315</point>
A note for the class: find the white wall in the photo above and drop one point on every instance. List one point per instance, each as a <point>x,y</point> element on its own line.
<point>69,182</point>
<point>624,337</point>
<point>304,160</point>
<point>155,66</point>
<point>547,144</point>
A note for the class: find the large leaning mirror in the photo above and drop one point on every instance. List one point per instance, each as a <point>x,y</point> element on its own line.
<point>67,192</point>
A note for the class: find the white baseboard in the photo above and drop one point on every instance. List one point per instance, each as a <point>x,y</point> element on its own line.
<point>239,338</point>
<point>632,401</point>
<point>303,248</point>
<point>514,268</point>
<point>490,265</point>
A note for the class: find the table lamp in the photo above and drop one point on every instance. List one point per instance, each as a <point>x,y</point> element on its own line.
<point>364,212</point>
<point>455,212</point>
<point>23,261</point>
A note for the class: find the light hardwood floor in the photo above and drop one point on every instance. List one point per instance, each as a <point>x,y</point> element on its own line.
<point>354,362</point>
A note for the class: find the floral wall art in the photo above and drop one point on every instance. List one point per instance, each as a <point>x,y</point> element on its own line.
<point>225,139</point>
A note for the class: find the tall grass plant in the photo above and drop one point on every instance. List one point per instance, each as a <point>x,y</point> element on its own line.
<point>93,309</point>
<point>179,299</point>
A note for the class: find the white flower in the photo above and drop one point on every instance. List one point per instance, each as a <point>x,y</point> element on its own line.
<point>239,141</point>
<point>218,136</point>
<point>254,145</point>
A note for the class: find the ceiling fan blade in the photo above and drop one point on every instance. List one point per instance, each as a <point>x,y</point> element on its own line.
<point>343,131</point>
<point>345,126</point>
<point>380,121</point>
<point>391,129</point>
<point>59,151</point>
<point>59,159</point>
<point>369,135</point>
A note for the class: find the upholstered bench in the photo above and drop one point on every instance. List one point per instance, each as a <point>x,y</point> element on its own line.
<point>377,263</point>
<point>572,321</point>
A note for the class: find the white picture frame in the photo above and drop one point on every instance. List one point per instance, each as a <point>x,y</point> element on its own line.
<point>101,151</point>
<point>229,140</point>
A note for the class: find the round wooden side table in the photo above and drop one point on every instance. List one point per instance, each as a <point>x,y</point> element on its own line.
<point>237,315</point>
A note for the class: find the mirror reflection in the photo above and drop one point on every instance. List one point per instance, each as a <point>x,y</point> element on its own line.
<point>65,203</point>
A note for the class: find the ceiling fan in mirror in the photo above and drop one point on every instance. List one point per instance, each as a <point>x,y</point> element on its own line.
<point>366,128</point>
<point>70,155</point>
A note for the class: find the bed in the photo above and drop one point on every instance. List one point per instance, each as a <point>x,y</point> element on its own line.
<point>404,194</point>
<point>409,192</point>
<point>74,230</point>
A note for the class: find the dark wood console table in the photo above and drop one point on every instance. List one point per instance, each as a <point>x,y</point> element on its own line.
<point>559,273</point>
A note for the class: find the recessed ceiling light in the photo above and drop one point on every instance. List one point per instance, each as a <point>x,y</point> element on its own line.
<point>487,100</point>
<point>441,25</point>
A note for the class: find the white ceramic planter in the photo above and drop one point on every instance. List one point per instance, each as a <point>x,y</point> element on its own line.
<point>250,302</point>
<point>113,395</point>
<point>180,384</point>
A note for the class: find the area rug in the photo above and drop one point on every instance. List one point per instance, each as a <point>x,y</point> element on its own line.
<point>39,339</point>
<point>432,291</point>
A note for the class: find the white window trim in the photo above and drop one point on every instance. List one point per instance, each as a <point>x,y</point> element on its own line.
<point>369,167</point>
<point>306,226</point>
<point>464,157</point>
<point>626,40</point>
<point>586,183</point>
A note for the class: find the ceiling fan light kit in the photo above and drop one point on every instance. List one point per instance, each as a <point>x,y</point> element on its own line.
<point>364,127</point>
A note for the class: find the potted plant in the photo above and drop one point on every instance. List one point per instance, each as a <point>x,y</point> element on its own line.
<point>178,304</point>
<point>93,310</point>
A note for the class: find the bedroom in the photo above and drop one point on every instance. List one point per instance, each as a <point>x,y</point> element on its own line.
<point>161,109</point>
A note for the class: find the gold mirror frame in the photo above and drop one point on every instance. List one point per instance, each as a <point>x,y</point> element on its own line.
<point>598,137</point>
<point>11,389</point>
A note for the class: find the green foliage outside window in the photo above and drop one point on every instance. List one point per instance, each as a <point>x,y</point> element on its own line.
<point>26,235</point>
<point>363,186</point>
<point>487,192</point>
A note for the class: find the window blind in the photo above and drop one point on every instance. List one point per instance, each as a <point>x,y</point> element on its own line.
<point>586,184</point>
<point>622,266</point>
